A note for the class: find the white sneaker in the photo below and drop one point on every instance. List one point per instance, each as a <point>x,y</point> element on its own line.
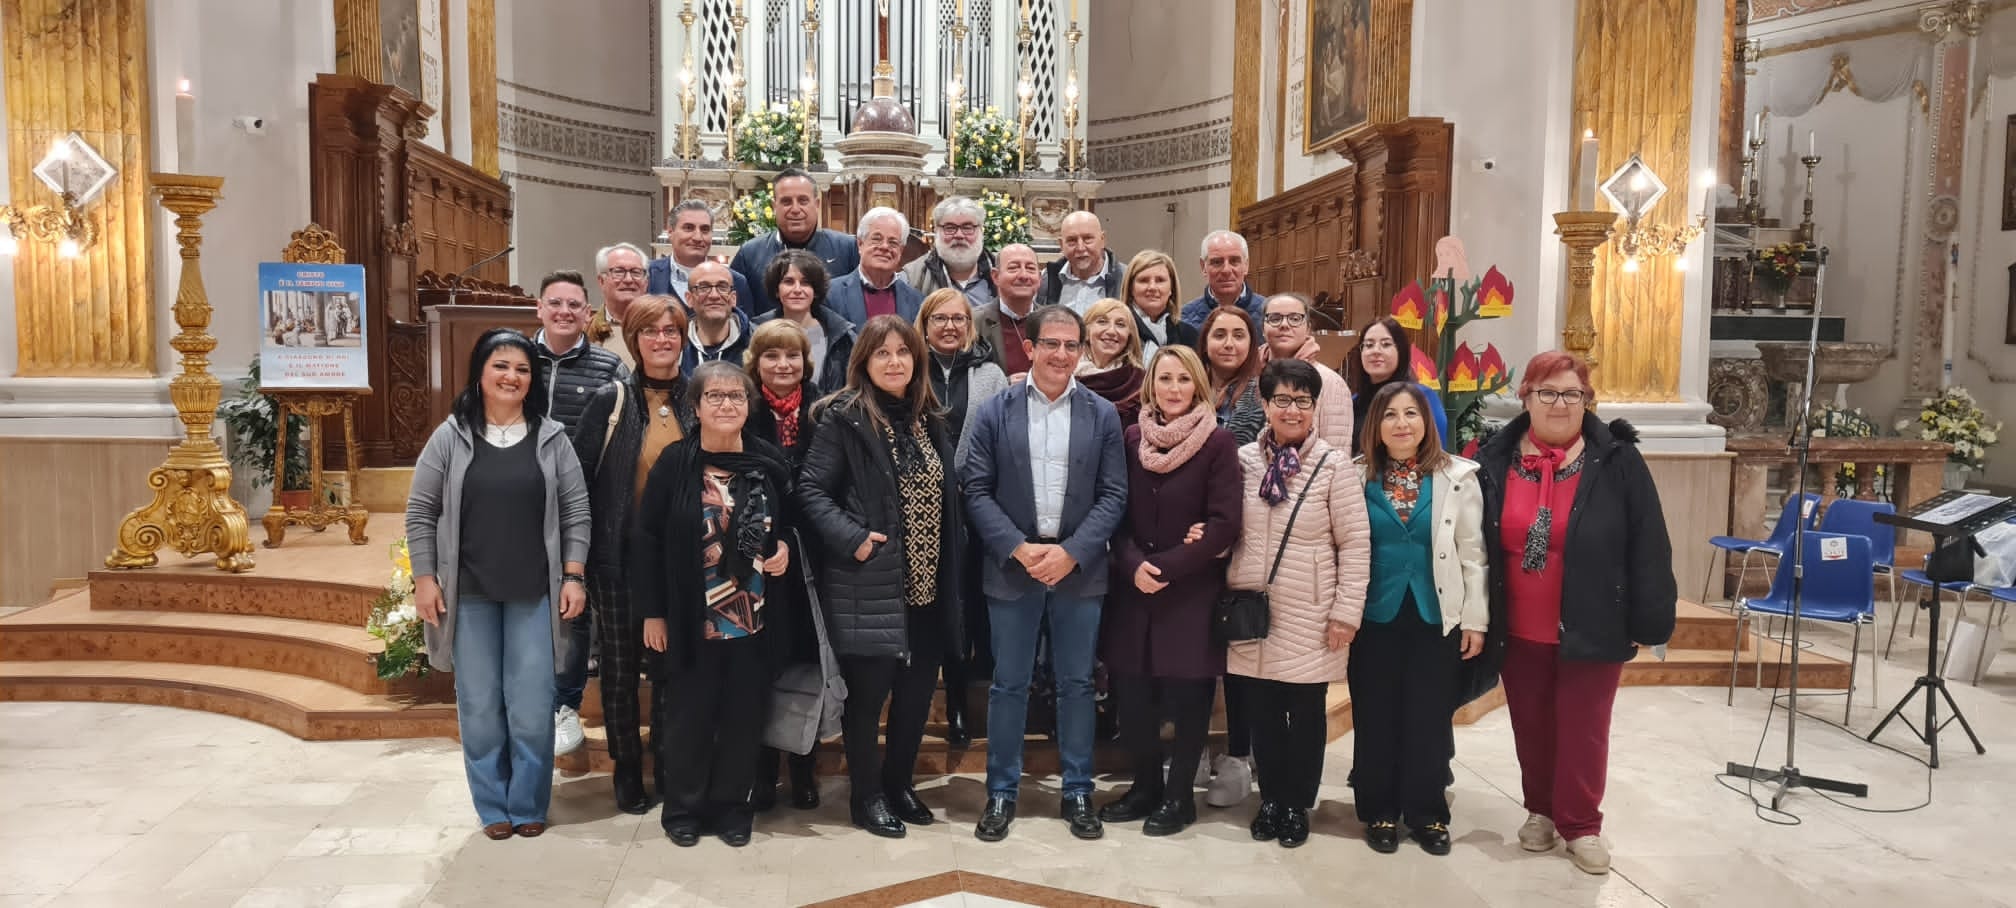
<point>1234,780</point>
<point>567,733</point>
<point>1589,854</point>
<point>1537,834</point>
<point>1203,779</point>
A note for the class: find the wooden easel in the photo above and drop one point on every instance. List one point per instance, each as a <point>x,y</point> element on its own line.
<point>313,245</point>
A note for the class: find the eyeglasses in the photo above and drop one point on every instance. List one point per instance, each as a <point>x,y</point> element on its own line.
<point>1052,345</point>
<point>711,289</point>
<point>949,321</point>
<point>719,399</point>
<point>625,272</point>
<point>959,228</point>
<point>883,242</point>
<point>1285,319</point>
<point>1572,397</point>
<point>569,305</point>
<point>1286,402</point>
<point>666,333</point>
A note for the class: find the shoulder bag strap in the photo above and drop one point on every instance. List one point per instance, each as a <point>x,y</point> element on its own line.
<point>615,416</point>
<point>1304,496</point>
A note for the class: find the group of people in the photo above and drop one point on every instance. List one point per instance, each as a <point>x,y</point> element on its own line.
<point>978,463</point>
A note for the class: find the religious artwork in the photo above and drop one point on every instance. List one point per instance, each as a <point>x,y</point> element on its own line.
<point>311,326</point>
<point>2009,176</point>
<point>1337,60</point>
<point>2009,323</point>
<point>399,44</point>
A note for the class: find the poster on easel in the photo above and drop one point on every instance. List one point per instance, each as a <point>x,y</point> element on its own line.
<point>311,326</point>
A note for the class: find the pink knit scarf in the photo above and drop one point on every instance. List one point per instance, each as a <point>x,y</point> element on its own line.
<point>1168,445</point>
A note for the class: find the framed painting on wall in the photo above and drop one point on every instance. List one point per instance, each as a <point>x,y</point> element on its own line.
<point>2009,177</point>
<point>1356,62</point>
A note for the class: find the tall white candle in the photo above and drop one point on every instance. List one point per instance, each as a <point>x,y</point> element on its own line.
<point>1812,148</point>
<point>1585,188</point>
<point>185,128</point>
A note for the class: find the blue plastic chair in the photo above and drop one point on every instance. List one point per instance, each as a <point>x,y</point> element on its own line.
<point>1916,577</point>
<point>1998,599</point>
<point>1801,507</point>
<point>1853,517</point>
<point>1835,591</point>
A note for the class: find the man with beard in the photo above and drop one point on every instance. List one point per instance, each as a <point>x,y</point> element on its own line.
<point>795,201</point>
<point>718,331</point>
<point>619,269</point>
<point>956,259</point>
<point>1224,261</point>
<point>1087,273</point>
<point>692,238</point>
<point>876,288</point>
<point>1016,279</point>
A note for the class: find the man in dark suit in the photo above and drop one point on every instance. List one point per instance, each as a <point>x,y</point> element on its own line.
<point>875,288</point>
<point>795,200</point>
<point>1046,487</point>
<point>692,238</point>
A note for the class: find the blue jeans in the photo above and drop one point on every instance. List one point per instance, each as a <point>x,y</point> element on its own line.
<point>504,706</point>
<point>572,678</point>
<point>1074,637</point>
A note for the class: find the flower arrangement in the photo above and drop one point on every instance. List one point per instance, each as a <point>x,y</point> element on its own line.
<point>395,619</point>
<point>1778,265</point>
<point>986,143</point>
<point>751,216</point>
<point>1461,375</point>
<point>1837,422</point>
<point>1954,418</point>
<point>1006,221</point>
<point>773,138</point>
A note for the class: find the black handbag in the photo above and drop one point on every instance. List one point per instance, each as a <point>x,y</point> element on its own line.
<point>1245,615</point>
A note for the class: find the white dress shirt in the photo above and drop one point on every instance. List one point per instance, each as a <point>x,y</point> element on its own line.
<point>679,277</point>
<point>1050,455</point>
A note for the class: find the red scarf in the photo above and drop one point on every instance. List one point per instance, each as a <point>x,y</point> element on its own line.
<point>1539,534</point>
<point>786,410</point>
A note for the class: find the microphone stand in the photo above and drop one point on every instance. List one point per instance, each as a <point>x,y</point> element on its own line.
<point>455,287</point>
<point>1788,777</point>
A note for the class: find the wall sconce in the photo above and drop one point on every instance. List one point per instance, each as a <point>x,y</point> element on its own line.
<point>1633,190</point>
<point>73,171</point>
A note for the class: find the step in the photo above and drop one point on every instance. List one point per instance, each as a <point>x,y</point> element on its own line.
<point>306,708</point>
<point>70,629</point>
<point>277,595</point>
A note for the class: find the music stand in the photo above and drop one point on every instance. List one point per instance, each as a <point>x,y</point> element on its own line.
<point>1953,526</point>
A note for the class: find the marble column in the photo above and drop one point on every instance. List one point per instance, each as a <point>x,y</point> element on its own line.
<point>1955,26</point>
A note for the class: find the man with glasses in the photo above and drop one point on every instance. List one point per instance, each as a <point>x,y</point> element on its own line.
<point>1223,258</point>
<point>717,330</point>
<point>1017,277</point>
<point>692,238</point>
<point>957,258</point>
<point>1087,273</point>
<point>575,369</point>
<point>1286,327</point>
<point>875,287</point>
<point>1046,487</point>
<point>795,201</point>
<point>620,270</point>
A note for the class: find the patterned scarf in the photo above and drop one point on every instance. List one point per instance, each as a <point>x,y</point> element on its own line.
<point>1402,481</point>
<point>786,410</point>
<point>1283,462</point>
<point>1168,445</point>
<point>1534,558</point>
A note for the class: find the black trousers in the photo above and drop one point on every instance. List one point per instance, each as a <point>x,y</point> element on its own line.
<point>1403,678</point>
<point>1144,704</point>
<point>1238,730</point>
<point>907,688</point>
<point>1288,722</point>
<point>623,653</point>
<point>713,730</point>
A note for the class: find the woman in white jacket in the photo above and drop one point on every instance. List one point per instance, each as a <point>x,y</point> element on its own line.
<point>1426,609</point>
<point>1314,601</point>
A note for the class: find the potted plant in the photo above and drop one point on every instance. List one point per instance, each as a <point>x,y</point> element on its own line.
<point>250,423</point>
<point>1954,418</point>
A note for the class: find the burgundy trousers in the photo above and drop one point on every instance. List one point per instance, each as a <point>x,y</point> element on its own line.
<point>1561,730</point>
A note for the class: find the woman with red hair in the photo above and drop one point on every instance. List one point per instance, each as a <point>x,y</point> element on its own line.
<point>1581,576</point>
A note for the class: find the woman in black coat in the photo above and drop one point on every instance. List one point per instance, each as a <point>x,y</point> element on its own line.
<point>1581,576</point>
<point>1183,516</point>
<point>880,494</point>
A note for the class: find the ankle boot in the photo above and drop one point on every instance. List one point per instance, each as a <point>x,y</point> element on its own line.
<point>804,784</point>
<point>956,706</point>
<point>630,795</point>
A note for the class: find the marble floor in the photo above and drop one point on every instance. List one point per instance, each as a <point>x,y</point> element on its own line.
<point>138,805</point>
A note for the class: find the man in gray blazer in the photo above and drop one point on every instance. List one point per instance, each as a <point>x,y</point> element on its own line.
<point>1046,486</point>
<point>876,287</point>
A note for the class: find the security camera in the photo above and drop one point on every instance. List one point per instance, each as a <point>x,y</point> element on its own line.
<point>253,125</point>
<point>1484,165</point>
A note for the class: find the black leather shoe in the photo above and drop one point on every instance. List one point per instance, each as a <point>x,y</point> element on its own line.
<point>1434,838</point>
<point>1136,804</point>
<point>1077,810</point>
<point>804,785</point>
<point>684,832</point>
<point>735,828</point>
<point>904,803</point>
<point>956,734</point>
<point>630,795</point>
<point>764,798</point>
<point>1294,829</point>
<point>875,817</point>
<point>993,825</point>
<point>1383,836</point>
<point>1171,817</point>
<point>1267,823</point>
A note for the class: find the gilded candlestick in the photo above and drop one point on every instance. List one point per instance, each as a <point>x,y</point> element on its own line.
<point>1806,223</point>
<point>1582,232</point>
<point>1753,211</point>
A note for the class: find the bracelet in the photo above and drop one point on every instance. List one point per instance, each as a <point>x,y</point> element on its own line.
<point>574,578</point>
